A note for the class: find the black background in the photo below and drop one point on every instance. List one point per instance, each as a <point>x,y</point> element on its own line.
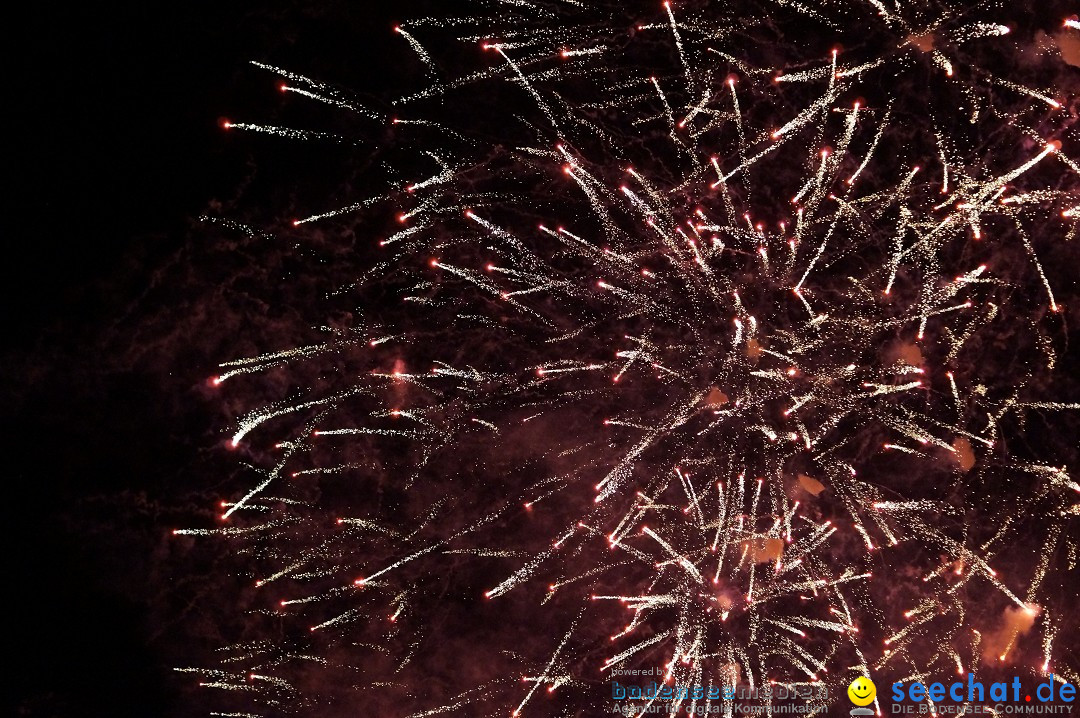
<point>113,148</point>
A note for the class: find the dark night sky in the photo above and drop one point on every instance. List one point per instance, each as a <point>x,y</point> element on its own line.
<point>117,148</point>
<point>118,308</point>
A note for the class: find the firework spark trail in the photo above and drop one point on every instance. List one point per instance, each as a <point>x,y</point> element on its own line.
<point>789,351</point>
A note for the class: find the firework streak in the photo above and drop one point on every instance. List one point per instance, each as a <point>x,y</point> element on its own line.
<point>689,364</point>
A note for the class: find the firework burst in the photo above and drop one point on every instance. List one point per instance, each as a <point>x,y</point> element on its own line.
<point>675,367</point>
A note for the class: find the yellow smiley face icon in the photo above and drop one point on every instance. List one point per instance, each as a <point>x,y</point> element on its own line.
<point>862,691</point>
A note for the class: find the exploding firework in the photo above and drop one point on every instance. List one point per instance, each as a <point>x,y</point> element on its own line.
<point>666,367</point>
